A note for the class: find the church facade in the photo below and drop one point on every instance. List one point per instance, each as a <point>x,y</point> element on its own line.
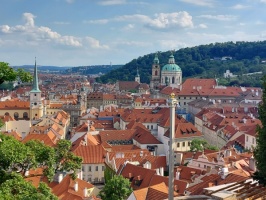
<point>169,75</point>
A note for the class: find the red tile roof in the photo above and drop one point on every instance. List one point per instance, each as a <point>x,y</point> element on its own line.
<point>91,154</point>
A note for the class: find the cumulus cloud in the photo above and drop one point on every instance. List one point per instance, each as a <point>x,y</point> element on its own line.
<point>219,17</point>
<point>208,3</point>
<point>166,20</point>
<point>38,34</point>
<point>95,43</point>
<point>29,18</point>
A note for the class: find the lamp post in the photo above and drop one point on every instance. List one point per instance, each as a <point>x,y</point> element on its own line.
<point>172,104</point>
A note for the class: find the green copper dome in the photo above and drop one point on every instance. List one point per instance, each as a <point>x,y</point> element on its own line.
<point>171,66</point>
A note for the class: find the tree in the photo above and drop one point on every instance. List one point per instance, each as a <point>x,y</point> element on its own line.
<point>118,188</point>
<point>15,187</point>
<point>65,160</point>
<point>18,157</point>
<point>9,74</point>
<point>260,150</point>
<point>200,145</point>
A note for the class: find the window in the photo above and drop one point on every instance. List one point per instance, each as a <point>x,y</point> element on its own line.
<point>83,168</point>
<point>188,143</point>
<point>247,138</point>
<point>96,168</point>
<point>148,127</point>
<point>151,126</point>
<point>253,140</point>
<point>199,165</point>
<point>185,103</point>
<point>35,95</point>
<point>184,144</point>
<point>205,166</point>
<point>178,145</point>
<point>103,168</point>
<point>89,169</point>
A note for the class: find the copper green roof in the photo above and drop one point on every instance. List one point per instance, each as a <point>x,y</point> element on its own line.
<point>171,66</point>
<point>35,87</point>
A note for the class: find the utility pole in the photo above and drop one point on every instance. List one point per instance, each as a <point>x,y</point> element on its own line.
<point>172,104</point>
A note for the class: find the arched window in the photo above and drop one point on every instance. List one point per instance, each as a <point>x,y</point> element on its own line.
<point>7,114</point>
<point>16,115</point>
<point>166,81</point>
<point>156,72</point>
<point>173,79</point>
<point>25,115</point>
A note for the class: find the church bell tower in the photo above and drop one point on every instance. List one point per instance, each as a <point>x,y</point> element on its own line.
<point>36,105</point>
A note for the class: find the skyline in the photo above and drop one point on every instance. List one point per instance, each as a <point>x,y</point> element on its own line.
<point>100,32</point>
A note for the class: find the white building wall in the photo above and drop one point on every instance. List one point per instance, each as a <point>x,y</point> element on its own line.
<point>90,172</point>
<point>21,126</point>
<point>250,141</point>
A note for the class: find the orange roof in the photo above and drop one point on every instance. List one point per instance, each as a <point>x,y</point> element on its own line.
<point>47,139</point>
<point>65,189</point>
<point>91,154</point>
<point>4,105</point>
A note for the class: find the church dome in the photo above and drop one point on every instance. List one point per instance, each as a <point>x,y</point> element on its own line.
<point>171,66</point>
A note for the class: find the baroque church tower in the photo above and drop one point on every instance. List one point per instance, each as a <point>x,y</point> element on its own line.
<point>156,73</point>
<point>137,77</point>
<point>36,105</point>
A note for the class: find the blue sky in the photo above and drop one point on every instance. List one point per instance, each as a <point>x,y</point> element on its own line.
<point>90,32</point>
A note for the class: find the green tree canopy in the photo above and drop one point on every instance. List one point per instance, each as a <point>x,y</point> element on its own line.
<point>18,157</point>
<point>260,150</point>
<point>15,187</point>
<point>118,188</point>
<point>200,145</point>
<point>9,74</point>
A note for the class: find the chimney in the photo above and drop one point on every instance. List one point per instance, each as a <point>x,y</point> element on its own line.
<point>177,176</point>
<point>192,173</point>
<point>228,153</point>
<point>76,186</point>
<point>60,178</point>
<point>252,163</point>
<point>85,192</point>
<point>161,171</point>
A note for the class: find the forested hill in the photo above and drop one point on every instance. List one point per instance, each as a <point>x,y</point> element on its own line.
<point>206,61</point>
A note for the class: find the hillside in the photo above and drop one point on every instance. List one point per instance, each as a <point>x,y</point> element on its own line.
<point>206,61</point>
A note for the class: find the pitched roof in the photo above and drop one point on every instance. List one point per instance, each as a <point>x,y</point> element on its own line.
<point>65,189</point>
<point>91,154</point>
<point>48,139</point>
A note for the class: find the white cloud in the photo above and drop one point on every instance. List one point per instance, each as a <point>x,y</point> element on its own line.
<point>166,20</point>
<point>208,3</point>
<point>98,21</point>
<point>29,18</point>
<point>242,24</point>
<point>219,17</point>
<point>161,20</point>
<point>203,26</point>
<point>111,2</point>
<point>263,1</point>
<point>239,7</point>
<point>35,35</point>
<point>94,43</point>
<point>4,29</point>
<point>129,27</point>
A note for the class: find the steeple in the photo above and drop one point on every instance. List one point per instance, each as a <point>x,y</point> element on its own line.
<point>35,87</point>
<point>137,77</point>
<point>156,59</point>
